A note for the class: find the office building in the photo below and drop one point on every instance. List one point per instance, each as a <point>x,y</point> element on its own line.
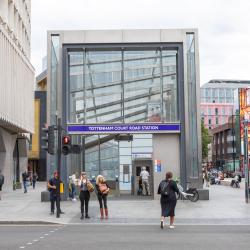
<point>16,88</point>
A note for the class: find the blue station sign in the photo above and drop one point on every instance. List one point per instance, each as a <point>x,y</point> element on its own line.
<point>123,128</point>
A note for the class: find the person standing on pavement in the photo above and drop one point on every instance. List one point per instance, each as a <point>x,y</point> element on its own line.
<point>34,180</point>
<point>168,189</point>
<point>73,186</point>
<point>54,188</point>
<point>84,195</point>
<point>1,183</point>
<point>145,181</point>
<point>206,178</point>
<point>25,178</point>
<point>102,189</point>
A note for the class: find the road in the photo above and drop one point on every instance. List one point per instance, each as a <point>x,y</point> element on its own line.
<point>121,237</point>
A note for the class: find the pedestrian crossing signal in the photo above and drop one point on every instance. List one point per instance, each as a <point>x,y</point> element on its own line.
<point>66,145</point>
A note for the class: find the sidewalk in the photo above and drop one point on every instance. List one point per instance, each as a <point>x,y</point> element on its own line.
<point>226,206</point>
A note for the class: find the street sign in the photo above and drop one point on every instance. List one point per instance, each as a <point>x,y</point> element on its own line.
<point>157,166</point>
<point>123,128</point>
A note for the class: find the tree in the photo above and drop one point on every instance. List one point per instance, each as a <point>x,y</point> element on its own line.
<point>205,140</point>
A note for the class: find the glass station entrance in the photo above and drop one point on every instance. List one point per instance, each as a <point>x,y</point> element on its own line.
<point>120,85</point>
<point>144,89</point>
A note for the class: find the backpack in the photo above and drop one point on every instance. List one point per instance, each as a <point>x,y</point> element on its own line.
<point>103,188</point>
<point>165,188</point>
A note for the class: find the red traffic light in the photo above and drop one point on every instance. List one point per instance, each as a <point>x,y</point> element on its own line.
<point>66,140</point>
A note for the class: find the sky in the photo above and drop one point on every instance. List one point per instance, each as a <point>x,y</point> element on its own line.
<point>223,25</point>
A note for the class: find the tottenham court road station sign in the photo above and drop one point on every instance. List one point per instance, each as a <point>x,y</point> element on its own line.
<point>123,128</point>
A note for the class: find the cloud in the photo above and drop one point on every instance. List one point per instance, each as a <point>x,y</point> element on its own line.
<point>224,30</point>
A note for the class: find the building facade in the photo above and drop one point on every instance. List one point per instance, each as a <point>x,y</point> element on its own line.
<point>217,101</point>
<point>224,148</point>
<point>110,82</point>
<point>37,157</point>
<point>17,88</point>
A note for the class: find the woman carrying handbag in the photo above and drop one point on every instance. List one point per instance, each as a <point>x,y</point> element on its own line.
<point>85,188</point>
<point>102,193</point>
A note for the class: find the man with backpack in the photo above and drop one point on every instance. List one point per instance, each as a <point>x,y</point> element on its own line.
<point>1,183</point>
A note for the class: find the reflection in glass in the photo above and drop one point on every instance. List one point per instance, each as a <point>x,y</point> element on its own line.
<point>123,86</point>
<point>192,106</point>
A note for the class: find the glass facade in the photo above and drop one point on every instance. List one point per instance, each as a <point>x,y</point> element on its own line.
<point>53,94</point>
<point>217,95</point>
<point>192,106</point>
<point>122,85</point>
<point>119,85</point>
<point>102,159</point>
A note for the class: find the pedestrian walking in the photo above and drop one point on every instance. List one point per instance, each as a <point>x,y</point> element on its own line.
<point>54,189</point>
<point>145,181</point>
<point>85,188</point>
<point>168,189</point>
<point>34,180</point>
<point>206,177</point>
<point>102,189</point>
<point>25,178</point>
<point>1,183</point>
<point>72,182</point>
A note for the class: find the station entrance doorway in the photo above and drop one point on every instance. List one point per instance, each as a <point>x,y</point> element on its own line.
<point>120,157</point>
<point>136,171</point>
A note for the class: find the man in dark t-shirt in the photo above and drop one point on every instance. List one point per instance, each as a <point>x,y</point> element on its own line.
<point>54,188</point>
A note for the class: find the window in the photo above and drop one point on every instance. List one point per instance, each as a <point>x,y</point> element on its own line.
<point>216,111</point>
<point>215,93</point>
<point>223,110</point>
<point>131,85</point>
<point>217,120</point>
<point>209,121</point>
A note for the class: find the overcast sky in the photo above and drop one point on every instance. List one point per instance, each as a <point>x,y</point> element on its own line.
<point>224,27</point>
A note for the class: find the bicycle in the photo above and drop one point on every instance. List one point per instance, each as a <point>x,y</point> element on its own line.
<point>190,194</point>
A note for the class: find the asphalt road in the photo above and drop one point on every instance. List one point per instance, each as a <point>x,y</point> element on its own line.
<point>121,237</point>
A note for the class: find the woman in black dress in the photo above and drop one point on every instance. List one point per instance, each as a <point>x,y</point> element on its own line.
<point>168,189</point>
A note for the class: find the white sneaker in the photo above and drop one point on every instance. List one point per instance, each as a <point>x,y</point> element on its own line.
<point>171,226</point>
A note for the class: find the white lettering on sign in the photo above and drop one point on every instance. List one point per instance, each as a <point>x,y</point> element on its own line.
<point>150,127</point>
<point>101,128</point>
<point>134,128</point>
<point>121,128</point>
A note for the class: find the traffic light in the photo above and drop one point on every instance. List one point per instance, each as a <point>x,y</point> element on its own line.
<point>66,145</point>
<point>49,139</point>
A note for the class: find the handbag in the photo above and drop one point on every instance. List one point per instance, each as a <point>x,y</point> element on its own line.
<point>103,188</point>
<point>90,187</point>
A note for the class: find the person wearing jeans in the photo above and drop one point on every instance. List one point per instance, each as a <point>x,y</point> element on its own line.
<point>25,177</point>
<point>102,192</point>
<point>72,180</point>
<point>54,188</point>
